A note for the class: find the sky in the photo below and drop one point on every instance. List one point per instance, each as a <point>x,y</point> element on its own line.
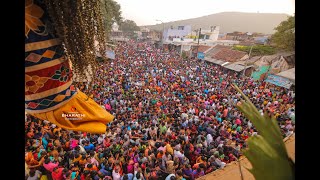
<point>146,12</point>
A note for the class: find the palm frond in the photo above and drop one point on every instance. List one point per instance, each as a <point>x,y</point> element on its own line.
<point>267,152</point>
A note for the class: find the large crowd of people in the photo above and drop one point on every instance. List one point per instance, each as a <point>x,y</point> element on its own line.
<point>174,119</point>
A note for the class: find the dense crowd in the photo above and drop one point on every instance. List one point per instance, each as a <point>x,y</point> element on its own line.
<point>174,119</point>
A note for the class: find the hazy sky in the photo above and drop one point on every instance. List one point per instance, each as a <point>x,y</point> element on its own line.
<point>145,12</point>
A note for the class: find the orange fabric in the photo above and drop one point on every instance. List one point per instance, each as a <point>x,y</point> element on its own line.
<point>94,120</point>
<point>94,168</point>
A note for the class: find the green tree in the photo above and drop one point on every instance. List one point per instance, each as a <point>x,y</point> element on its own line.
<point>257,50</point>
<point>112,13</point>
<point>284,38</point>
<point>129,26</point>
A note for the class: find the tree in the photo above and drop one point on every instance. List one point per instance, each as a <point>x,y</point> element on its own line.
<point>284,38</point>
<point>129,26</point>
<point>257,50</point>
<point>112,13</point>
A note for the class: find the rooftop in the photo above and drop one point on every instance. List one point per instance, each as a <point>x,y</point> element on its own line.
<point>289,74</point>
<point>229,55</point>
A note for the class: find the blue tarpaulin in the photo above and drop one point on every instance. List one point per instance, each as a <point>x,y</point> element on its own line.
<point>279,81</point>
<point>111,55</point>
<point>200,55</point>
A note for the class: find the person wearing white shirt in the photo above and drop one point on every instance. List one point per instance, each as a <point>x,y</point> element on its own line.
<point>100,139</point>
<point>184,115</point>
<point>169,176</point>
<point>81,140</point>
<point>116,175</point>
<point>192,111</point>
<point>249,124</point>
<point>82,150</point>
<point>196,119</point>
<point>178,154</point>
<point>168,131</point>
<point>213,105</point>
<point>209,138</point>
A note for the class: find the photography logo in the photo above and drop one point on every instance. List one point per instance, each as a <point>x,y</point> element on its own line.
<point>73,115</point>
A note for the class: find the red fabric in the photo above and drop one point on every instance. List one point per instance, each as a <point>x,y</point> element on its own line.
<point>49,72</point>
<point>57,175</point>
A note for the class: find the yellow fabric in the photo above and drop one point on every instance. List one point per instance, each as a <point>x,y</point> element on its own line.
<point>94,120</point>
<point>27,170</point>
<point>44,177</point>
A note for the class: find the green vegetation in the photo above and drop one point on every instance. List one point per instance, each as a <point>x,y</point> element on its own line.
<point>128,26</point>
<point>111,13</point>
<point>284,38</point>
<point>267,152</point>
<point>257,50</point>
<point>184,55</point>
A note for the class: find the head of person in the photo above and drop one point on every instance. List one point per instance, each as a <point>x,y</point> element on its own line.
<point>125,177</point>
<point>55,169</point>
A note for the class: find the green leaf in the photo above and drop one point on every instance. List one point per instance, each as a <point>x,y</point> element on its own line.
<point>266,152</point>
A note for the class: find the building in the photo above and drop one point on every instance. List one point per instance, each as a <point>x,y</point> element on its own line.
<point>229,55</point>
<point>229,59</point>
<point>222,36</point>
<point>261,40</point>
<point>116,34</point>
<point>284,79</point>
<point>226,42</point>
<point>210,35</point>
<point>210,52</point>
<point>240,67</point>
<point>145,32</point>
<point>290,74</point>
<point>180,32</point>
<point>277,62</point>
<point>273,64</point>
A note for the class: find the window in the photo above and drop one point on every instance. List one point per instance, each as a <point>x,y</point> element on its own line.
<point>180,27</point>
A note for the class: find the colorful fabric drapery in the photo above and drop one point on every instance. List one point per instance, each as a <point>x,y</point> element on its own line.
<point>49,93</point>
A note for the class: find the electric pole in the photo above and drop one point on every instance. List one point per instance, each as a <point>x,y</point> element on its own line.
<point>245,63</point>
<point>198,41</point>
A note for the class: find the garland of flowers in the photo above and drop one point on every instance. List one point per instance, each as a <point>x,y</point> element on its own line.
<point>79,23</point>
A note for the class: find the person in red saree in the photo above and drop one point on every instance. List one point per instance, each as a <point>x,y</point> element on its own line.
<point>57,173</point>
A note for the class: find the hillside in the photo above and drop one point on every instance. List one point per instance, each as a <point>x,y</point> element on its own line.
<point>231,21</point>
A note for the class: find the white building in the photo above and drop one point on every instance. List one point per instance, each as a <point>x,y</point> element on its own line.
<point>180,32</point>
<point>115,27</point>
<point>210,35</point>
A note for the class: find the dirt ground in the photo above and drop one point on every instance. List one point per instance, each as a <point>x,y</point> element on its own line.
<point>232,172</point>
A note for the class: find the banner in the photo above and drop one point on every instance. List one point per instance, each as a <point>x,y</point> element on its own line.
<point>200,55</point>
<point>279,81</point>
